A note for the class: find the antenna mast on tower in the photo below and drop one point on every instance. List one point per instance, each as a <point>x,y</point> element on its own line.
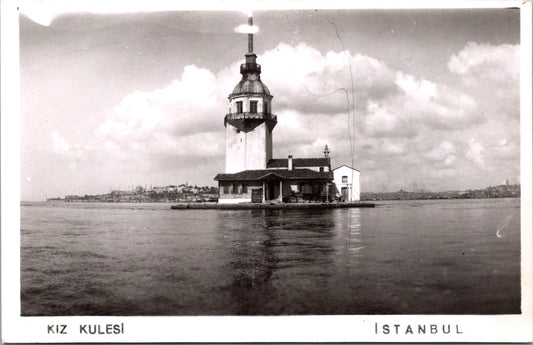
<point>250,36</point>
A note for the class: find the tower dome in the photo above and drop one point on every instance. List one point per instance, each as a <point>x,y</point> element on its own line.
<point>250,86</point>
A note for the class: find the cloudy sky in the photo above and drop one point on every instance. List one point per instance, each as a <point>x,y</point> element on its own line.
<point>428,98</point>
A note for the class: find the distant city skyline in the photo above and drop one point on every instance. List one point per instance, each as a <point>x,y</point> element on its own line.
<point>140,98</point>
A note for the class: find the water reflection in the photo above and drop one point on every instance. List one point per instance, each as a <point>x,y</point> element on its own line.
<point>350,226</point>
<point>277,256</point>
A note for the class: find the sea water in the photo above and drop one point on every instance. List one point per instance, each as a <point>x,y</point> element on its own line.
<point>402,257</point>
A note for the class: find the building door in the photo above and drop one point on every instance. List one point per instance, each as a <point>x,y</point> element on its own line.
<point>257,195</point>
<point>344,191</point>
<point>271,191</point>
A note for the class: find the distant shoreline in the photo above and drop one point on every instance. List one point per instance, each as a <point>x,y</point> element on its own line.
<point>443,198</point>
<point>501,191</point>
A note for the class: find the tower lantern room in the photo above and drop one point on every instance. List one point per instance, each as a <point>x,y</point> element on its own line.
<point>250,122</point>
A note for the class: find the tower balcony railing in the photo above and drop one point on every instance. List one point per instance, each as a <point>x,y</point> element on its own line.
<point>250,67</point>
<point>251,116</point>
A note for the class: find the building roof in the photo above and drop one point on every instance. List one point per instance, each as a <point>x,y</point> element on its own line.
<point>298,163</point>
<point>250,86</point>
<point>344,165</point>
<point>254,175</point>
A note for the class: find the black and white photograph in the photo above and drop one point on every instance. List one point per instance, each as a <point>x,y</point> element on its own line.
<point>270,162</point>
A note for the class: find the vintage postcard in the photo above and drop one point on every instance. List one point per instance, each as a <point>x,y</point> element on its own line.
<point>266,172</point>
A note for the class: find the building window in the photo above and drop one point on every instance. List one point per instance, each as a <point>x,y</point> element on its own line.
<point>244,189</point>
<point>226,189</point>
<point>265,107</point>
<point>235,188</point>
<point>321,169</point>
<point>239,107</point>
<point>345,179</point>
<point>253,106</point>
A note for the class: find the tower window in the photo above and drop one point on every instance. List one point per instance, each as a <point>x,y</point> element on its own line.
<point>253,106</point>
<point>265,107</point>
<point>239,107</point>
<point>345,179</point>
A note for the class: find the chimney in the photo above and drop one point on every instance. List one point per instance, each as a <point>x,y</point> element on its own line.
<point>289,162</point>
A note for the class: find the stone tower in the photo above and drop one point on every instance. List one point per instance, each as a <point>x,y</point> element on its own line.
<point>249,123</point>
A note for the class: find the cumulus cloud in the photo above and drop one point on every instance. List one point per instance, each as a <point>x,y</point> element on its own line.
<point>305,75</point>
<point>184,118</point>
<point>492,73</point>
<point>494,62</point>
<point>188,105</point>
<point>408,130</point>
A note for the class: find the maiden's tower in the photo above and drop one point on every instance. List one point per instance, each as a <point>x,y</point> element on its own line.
<point>252,174</point>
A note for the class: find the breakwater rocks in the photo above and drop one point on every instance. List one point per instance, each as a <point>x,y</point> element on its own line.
<point>247,206</point>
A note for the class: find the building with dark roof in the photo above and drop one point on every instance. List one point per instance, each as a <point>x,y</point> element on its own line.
<point>252,175</point>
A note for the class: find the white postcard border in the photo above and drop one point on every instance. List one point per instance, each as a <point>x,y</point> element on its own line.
<point>359,328</point>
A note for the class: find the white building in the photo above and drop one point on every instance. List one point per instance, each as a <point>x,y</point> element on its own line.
<point>348,186</point>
